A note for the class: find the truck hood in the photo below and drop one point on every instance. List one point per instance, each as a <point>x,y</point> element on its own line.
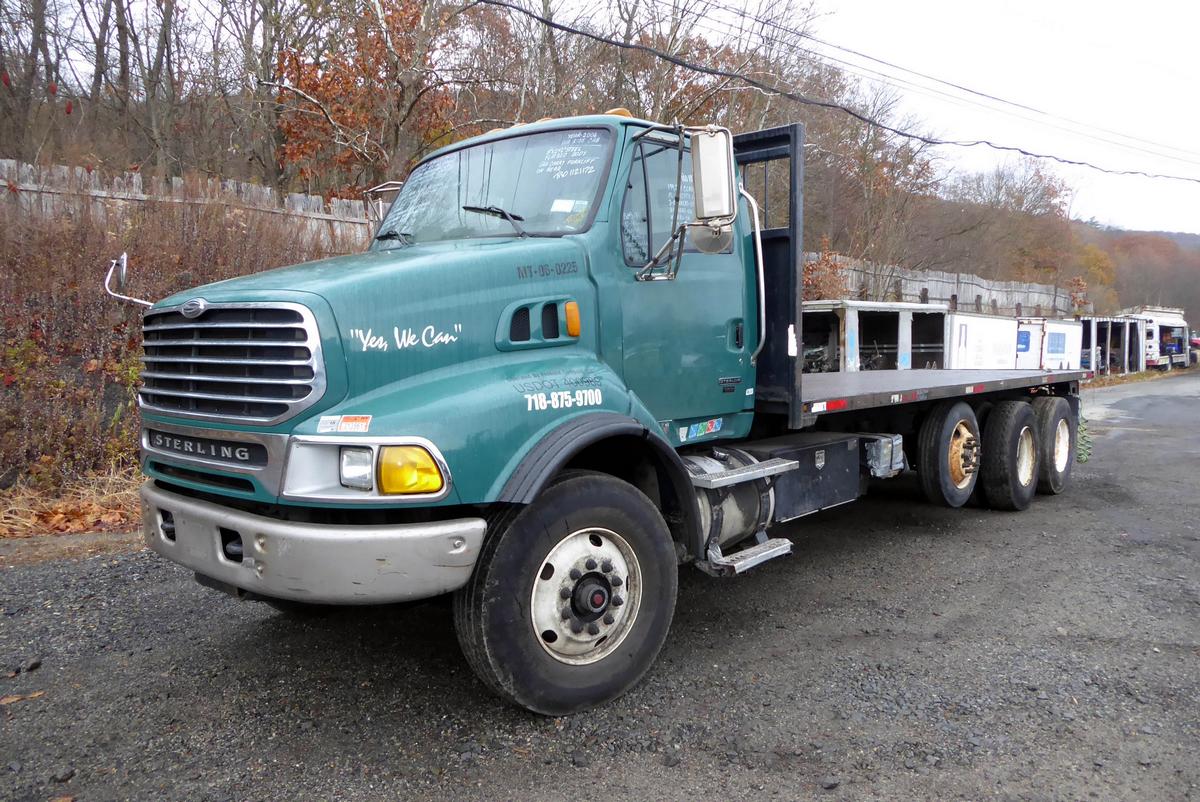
<point>416,309</point>
<point>334,276</point>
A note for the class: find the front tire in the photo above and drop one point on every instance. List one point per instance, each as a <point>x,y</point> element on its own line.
<point>572,597</point>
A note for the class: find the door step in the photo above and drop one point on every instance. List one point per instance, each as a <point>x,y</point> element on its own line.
<point>746,473</point>
<point>742,561</point>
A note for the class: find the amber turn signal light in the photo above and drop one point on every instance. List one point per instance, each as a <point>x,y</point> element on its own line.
<point>572,310</point>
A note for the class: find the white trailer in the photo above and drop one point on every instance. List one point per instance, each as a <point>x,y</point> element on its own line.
<point>980,342</point>
<point>1045,344</point>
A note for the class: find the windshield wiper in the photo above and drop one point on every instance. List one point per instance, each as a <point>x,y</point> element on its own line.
<point>392,233</point>
<point>496,211</point>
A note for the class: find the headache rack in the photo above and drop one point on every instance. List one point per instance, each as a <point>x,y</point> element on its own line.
<point>246,363</point>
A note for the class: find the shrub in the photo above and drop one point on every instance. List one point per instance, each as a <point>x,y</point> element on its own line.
<point>69,354</point>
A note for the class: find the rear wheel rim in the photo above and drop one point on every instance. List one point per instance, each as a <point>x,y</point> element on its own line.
<point>1025,458</point>
<point>1062,445</point>
<point>586,596</point>
<point>962,454</point>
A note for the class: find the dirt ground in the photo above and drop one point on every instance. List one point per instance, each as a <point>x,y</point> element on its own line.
<point>903,652</point>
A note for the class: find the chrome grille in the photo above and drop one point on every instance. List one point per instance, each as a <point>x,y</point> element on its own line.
<point>253,363</point>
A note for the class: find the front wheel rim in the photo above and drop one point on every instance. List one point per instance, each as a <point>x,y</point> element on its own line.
<point>1025,460</point>
<point>586,596</point>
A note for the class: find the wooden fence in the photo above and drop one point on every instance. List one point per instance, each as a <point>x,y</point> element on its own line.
<point>339,225</point>
<point>964,291</point>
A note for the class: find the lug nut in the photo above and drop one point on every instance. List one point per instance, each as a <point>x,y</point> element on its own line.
<point>593,629</point>
<point>590,564</point>
<point>615,581</point>
<point>564,594</point>
<point>617,601</point>
<point>576,627</point>
<point>606,566</point>
<point>574,574</point>
<point>608,619</point>
<point>566,614</point>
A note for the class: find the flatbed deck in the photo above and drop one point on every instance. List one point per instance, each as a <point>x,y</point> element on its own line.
<point>824,393</point>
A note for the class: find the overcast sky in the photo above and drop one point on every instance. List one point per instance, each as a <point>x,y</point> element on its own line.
<point>1132,68</point>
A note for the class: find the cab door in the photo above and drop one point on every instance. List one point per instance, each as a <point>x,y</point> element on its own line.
<point>686,340</point>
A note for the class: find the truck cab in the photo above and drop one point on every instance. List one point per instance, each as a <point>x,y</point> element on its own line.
<point>565,365</point>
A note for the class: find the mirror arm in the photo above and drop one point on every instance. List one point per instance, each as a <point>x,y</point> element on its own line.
<point>373,196</point>
<point>680,231</point>
<point>647,271</point>
<point>758,260</point>
<point>108,285</point>
<point>675,129</point>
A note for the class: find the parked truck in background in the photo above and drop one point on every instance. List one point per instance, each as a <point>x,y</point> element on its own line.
<point>1166,336</point>
<point>566,365</point>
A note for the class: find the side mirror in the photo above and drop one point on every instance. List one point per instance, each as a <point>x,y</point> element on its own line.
<point>712,175</point>
<point>713,182</point>
<point>119,269</point>
<point>714,196</point>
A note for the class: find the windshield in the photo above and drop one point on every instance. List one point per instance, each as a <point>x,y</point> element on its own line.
<point>536,185</point>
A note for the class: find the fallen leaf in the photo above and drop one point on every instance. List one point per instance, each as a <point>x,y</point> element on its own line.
<point>16,697</point>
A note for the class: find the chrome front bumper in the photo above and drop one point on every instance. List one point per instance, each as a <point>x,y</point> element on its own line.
<point>315,563</point>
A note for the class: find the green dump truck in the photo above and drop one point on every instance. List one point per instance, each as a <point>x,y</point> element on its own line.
<point>565,366</point>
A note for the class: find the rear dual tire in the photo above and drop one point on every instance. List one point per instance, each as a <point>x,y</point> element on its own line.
<point>1025,448</point>
<point>1011,456</point>
<point>948,453</point>
<point>1056,426</point>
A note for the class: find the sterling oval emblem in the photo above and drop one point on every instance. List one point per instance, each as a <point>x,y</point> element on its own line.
<point>194,308</point>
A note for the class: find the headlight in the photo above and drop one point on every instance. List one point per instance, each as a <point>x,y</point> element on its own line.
<point>408,470</point>
<point>357,468</point>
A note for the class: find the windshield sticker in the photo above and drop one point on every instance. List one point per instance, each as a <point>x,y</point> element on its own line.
<point>344,423</point>
<point>562,205</point>
<point>427,337</point>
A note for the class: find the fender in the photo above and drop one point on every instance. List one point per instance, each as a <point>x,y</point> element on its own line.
<point>560,445</point>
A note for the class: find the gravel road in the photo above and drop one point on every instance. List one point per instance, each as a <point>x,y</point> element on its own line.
<point>903,652</point>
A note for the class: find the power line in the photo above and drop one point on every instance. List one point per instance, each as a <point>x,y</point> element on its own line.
<point>817,102</point>
<point>725,28</point>
<point>975,92</point>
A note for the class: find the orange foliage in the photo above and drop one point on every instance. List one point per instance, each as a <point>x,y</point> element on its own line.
<point>824,278</point>
<point>1078,289</point>
<point>363,106</point>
